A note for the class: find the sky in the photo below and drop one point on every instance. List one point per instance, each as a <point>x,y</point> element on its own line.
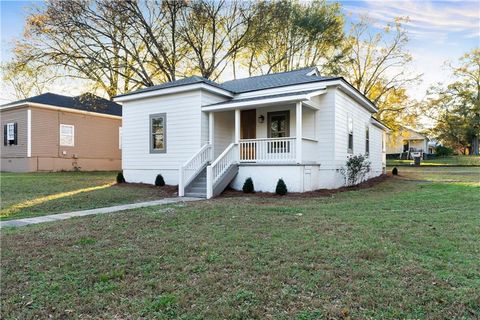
<point>439,31</point>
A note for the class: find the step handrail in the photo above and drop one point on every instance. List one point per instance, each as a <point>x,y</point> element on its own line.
<point>192,167</point>
<point>228,157</point>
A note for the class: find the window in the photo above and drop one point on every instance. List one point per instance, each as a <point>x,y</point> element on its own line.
<point>119,137</point>
<point>278,127</point>
<point>367,140</point>
<point>10,134</point>
<point>350,134</point>
<point>158,133</point>
<point>67,135</point>
<point>278,124</point>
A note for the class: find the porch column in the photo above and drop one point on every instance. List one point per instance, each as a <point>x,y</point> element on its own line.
<point>299,130</point>
<point>237,126</point>
<point>211,123</point>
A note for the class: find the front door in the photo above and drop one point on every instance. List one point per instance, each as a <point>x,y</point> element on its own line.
<point>248,126</point>
<point>248,130</point>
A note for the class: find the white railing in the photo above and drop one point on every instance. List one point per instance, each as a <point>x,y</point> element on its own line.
<point>220,166</point>
<point>193,166</point>
<point>268,150</point>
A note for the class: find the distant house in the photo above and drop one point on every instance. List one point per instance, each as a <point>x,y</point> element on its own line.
<point>51,132</point>
<point>407,142</point>
<point>204,136</point>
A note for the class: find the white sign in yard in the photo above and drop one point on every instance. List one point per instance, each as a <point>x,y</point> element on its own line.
<point>10,131</point>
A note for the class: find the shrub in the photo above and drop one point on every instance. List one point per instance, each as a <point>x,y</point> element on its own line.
<point>442,151</point>
<point>355,169</point>
<point>281,187</point>
<point>120,178</point>
<point>395,171</point>
<point>248,186</point>
<point>159,181</point>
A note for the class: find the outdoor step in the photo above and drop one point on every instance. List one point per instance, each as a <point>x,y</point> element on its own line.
<point>195,195</point>
<point>198,183</point>
<point>196,189</point>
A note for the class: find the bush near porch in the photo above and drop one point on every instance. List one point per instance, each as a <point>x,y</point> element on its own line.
<point>406,248</point>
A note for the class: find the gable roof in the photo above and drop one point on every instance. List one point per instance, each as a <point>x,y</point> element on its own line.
<point>85,102</point>
<point>274,80</point>
<point>176,83</point>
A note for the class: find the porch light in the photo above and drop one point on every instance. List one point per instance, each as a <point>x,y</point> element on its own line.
<point>261,119</point>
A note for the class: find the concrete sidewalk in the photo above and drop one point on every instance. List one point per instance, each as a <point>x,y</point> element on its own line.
<point>68,215</point>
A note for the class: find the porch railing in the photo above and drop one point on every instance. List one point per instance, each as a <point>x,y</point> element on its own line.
<point>193,166</point>
<point>224,161</point>
<point>267,150</point>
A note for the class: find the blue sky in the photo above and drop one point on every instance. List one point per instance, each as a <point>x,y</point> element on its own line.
<point>439,30</point>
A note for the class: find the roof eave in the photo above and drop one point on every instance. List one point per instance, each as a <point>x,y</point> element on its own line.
<point>232,104</point>
<point>172,90</point>
<point>53,107</point>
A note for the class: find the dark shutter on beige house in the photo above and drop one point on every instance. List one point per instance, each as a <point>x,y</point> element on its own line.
<point>5,142</point>
<point>15,133</point>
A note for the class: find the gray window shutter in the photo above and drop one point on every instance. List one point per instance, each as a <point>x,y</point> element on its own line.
<point>15,133</point>
<point>5,142</point>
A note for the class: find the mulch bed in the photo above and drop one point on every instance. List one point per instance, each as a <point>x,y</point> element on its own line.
<point>230,193</point>
<point>166,189</point>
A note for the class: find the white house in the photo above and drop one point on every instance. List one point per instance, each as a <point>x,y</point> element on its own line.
<point>407,142</point>
<point>205,136</point>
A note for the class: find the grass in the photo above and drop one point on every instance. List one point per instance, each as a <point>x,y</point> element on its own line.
<point>406,248</point>
<point>441,161</point>
<point>34,194</point>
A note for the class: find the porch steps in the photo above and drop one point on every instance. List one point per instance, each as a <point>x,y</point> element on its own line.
<point>198,187</point>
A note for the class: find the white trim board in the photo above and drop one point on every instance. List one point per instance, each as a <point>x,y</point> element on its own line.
<point>29,133</point>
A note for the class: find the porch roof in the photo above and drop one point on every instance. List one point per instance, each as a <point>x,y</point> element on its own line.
<point>265,100</point>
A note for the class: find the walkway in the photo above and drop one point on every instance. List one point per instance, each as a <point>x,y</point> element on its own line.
<point>68,215</point>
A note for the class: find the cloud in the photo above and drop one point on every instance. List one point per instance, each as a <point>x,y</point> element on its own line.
<point>426,18</point>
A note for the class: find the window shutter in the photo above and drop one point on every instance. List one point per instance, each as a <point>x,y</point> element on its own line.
<point>5,142</point>
<point>15,134</point>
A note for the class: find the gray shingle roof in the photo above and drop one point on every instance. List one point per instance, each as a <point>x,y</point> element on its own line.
<point>84,102</point>
<point>273,80</point>
<point>177,83</point>
<point>255,83</point>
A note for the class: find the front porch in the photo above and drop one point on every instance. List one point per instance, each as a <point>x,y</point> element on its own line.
<point>269,133</point>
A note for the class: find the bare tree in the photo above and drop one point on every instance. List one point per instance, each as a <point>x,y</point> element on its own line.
<point>295,35</point>
<point>216,31</point>
<point>377,65</point>
<point>26,80</point>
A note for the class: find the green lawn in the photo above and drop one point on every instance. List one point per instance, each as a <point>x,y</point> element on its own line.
<point>441,161</point>
<point>408,248</point>
<point>33,194</point>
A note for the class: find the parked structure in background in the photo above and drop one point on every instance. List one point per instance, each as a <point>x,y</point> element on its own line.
<point>51,132</point>
<point>204,136</point>
<point>408,143</point>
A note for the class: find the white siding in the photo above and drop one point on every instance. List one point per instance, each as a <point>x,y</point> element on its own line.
<point>183,136</point>
<point>345,107</point>
<point>325,128</point>
<point>206,99</point>
<point>223,131</point>
<point>376,152</point>
<point>262,130</point>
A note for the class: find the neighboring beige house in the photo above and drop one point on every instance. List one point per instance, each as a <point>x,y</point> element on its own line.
<point>407,141</point>
<point>52,132</point>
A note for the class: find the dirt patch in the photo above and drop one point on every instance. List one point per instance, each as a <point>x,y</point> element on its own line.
<point>230,193</point>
